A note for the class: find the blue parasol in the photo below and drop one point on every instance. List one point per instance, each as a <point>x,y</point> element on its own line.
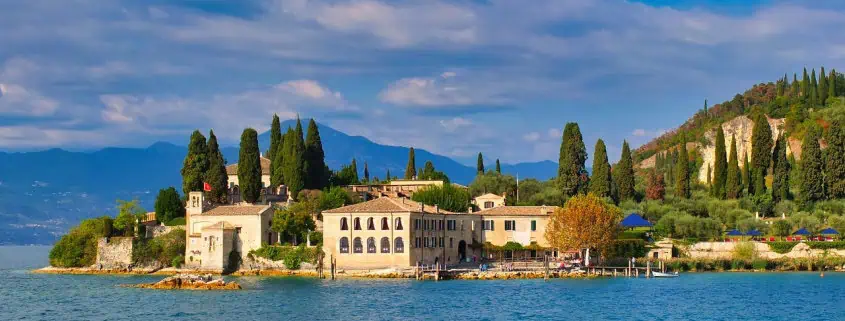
<point>754,233</point>
<point>734,232</point>
<point>829,231</point>
<point>802,231</point>
<point>634,220</point>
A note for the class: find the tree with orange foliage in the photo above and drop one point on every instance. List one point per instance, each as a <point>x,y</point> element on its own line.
<point>584,222</point>
<point>656,188</point>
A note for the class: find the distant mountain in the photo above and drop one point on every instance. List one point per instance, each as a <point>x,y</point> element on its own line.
<point>44,193</point>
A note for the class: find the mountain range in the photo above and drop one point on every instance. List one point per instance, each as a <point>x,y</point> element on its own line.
<point>44,193</point>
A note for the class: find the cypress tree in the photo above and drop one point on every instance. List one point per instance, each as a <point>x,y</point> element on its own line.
<point>761,155</point>
<point>601,181</point>
<point>195,164</point>
<point>682,184</point>
<point>812,168</point>
<point>249,166</point>
<point>411,169</point>
<point>277,171</point>
<point>216,174</point>
<point>822,87</point>
<point>354,167</point>
<point>387,176</point>
<point>479,165</point>
<point>315,158</point>
<point>366,172</point>
<point>835,162</point>
<point>625,174</point>
<point>168,205</point>
<point>734,177</point>
<point>831,84</point>
<point>710,179</point>
<point>573,154</point>
<point>745,183</point>
<point>796,91</point>
<point>275,146</point>
<point>805,86</point>
<point>498,166</point>
<point>720,167</point>
<point>780,165</point>
<point>294,162</point>
<point>814,89</point>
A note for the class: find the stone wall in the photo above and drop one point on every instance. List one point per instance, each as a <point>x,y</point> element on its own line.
<point>255,263</point>
<point>724,250</point>
<point>159,230</point>
<point>114,253</point>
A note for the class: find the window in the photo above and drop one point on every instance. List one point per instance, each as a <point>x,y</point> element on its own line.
<point>442,244</point>
<point>417,224</point>
<point>451,225</point>
<point>385,224</point>
<point>442,224</point>
<point>488,225</point>
<point>425,242</point>
<point>344,245</point>
<point>417,242</point>
<point>433,241</point>
<point>357,247</point>
<point>371,224</point>
<point>343,225</point>
<point>371,245</point>
<point>510,225</point>
<point>399,246</point>
<point>488,204</point>
<point>385,245</point>
<point>356,224</point>
<point>398,224</point>
<point>533,225</point>
<point>425,225</point>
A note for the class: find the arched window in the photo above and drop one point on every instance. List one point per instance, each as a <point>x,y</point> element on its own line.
<point>371,245</point>
<point>385,245</point>
<point>398,245</point>
<point>344,245</point>
<point>357,247</point>
<point>370,224</point>
<point>398,223</point>
<point>385,224</point>
<point>356,224</point>
<point>344,225</point>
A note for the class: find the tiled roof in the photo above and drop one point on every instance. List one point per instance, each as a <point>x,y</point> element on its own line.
<point>265,167</point>
<point>386,205</point>
<point>518,210</point>
<point>235,210</point>
<point>219,226</point>
<point>490,195</point>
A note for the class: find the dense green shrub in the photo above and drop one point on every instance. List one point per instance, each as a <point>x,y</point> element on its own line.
<point>782,247</point>
<point>161,250</point>
<point>178,261</point>
<point>627,248</point>
<point>293,259</point>
<point>744,251</point>
<point>176,221</point>
<point>292,256</point>
<point>316,238</point>
<point>784,264</point>
<point>760,264</point>
<point>78,248</point>
<point>840,245</point>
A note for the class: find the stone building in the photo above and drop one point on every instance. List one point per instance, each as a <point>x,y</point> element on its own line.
<point>520,224</point>
<point>397,232</point>
<point>213,232</point>
<point>489,200</point>
<point>280,194</point>
<point>395,188</point>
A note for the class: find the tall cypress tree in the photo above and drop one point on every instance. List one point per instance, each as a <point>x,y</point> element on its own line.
<point>275,146</point>
<point>479,164</point>
<point>835,162</point>
<point>498,166</point>
<point>780,179</point>
<point>354,168</point>
<point>625,174</point>
<point>294,162</point>
<point>315,158</point>
<point>366,172</point>
<point>216,174</point>
<point>745,184</point>
<point>277,171</point>
<point>812,168</point>
<point>411,169</point>
<point>682,179</point>
<point>710,178</point>
<point>796,90</point>
<point>602,180</point>
<point>822,87</point>
<point>573,154</point>
<point>805,85</point>
<point>387,176</point>
<point>831,84</point>
<point>195,164</point>
<point>761,155</point>
<point>720,165</point>
<point>814,89</point>
<point>734,177</point>
<point>249,166</point>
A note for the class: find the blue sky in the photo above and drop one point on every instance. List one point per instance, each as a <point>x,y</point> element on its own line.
<point>459,77</point>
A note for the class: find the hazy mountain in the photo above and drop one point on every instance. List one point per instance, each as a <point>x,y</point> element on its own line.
<point>44,193</point>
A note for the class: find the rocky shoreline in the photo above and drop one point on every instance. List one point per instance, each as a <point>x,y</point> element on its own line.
<point>189,282</point>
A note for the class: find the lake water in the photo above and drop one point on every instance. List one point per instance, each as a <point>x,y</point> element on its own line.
<point>693,296</point>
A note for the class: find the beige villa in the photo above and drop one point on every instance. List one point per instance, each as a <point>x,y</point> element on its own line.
<point>213,232</point>
<point>395,188</point>
<point>489,200</point>
<point>234,184</point>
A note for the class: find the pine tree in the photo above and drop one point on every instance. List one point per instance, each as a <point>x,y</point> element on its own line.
<point>275,146</point>
<point>479,165</point>
<point>411,169</point>
<point>602,180</point>
<point>294,162</point>
<point>812,169</point>
<point>734,177</point>
<point>366,172</point>
<point>249,166</point>
<point>780,180</point>
<point>835,162</point>
<point>216,174</point>
<point>195,164</point>
<point>682,179</point>
<point>498,166</point>
<point>745,181</point>
<point>761,155</point>
<point>720,165</point>
<point>315,158</point>
<point>573,154</point>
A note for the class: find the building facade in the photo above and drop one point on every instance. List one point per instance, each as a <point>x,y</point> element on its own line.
<point>279,194</point>
<point>520,224</point>
<point>489,200</point>
<point>395,188</point>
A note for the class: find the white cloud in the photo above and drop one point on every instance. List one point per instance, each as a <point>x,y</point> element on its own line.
<point>448,89</point>
<point>531,137</point>
<point>554,133</point>
<point>17,100</point>
<point>316,94</point>
<point>639,132</point>
<point>455,123</point>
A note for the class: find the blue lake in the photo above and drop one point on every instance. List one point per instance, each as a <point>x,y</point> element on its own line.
<point>693,296</point>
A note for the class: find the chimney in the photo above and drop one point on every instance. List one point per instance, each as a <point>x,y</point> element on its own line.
<point>436,209</point>
<point>422,208</point>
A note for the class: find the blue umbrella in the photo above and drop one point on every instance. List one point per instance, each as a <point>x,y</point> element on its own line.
<point>734,232</point>
<point>634,220</point>
<point>802,231</point>
<point>754,233</point>
<point>829,231</point>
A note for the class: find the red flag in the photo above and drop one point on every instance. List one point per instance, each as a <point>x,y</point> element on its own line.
<point>206,187</point>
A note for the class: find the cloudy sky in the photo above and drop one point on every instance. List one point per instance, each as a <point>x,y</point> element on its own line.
<point>454,77</point>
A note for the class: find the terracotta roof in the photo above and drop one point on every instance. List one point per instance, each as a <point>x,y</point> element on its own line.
<point>489,195</point>
<point>235,210</point>
<point>518,210</point>
<point>219,226</point>
<point>265,167</point>
<point>386,205</point>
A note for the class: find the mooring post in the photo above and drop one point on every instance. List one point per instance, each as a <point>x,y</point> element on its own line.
<point>647,269</point>
<point>546,267</point>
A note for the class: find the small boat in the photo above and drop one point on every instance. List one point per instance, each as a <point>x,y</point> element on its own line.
<point>665,275</point>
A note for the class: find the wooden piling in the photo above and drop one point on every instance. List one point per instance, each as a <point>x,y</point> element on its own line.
<point>648,269</point>
<point>546,267</point>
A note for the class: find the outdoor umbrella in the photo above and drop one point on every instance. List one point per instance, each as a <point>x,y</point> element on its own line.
<point>829,231</point>
<point>634,220</point>
<point>802,231</point>
<point>754,233</point>
<point>734,232</point>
